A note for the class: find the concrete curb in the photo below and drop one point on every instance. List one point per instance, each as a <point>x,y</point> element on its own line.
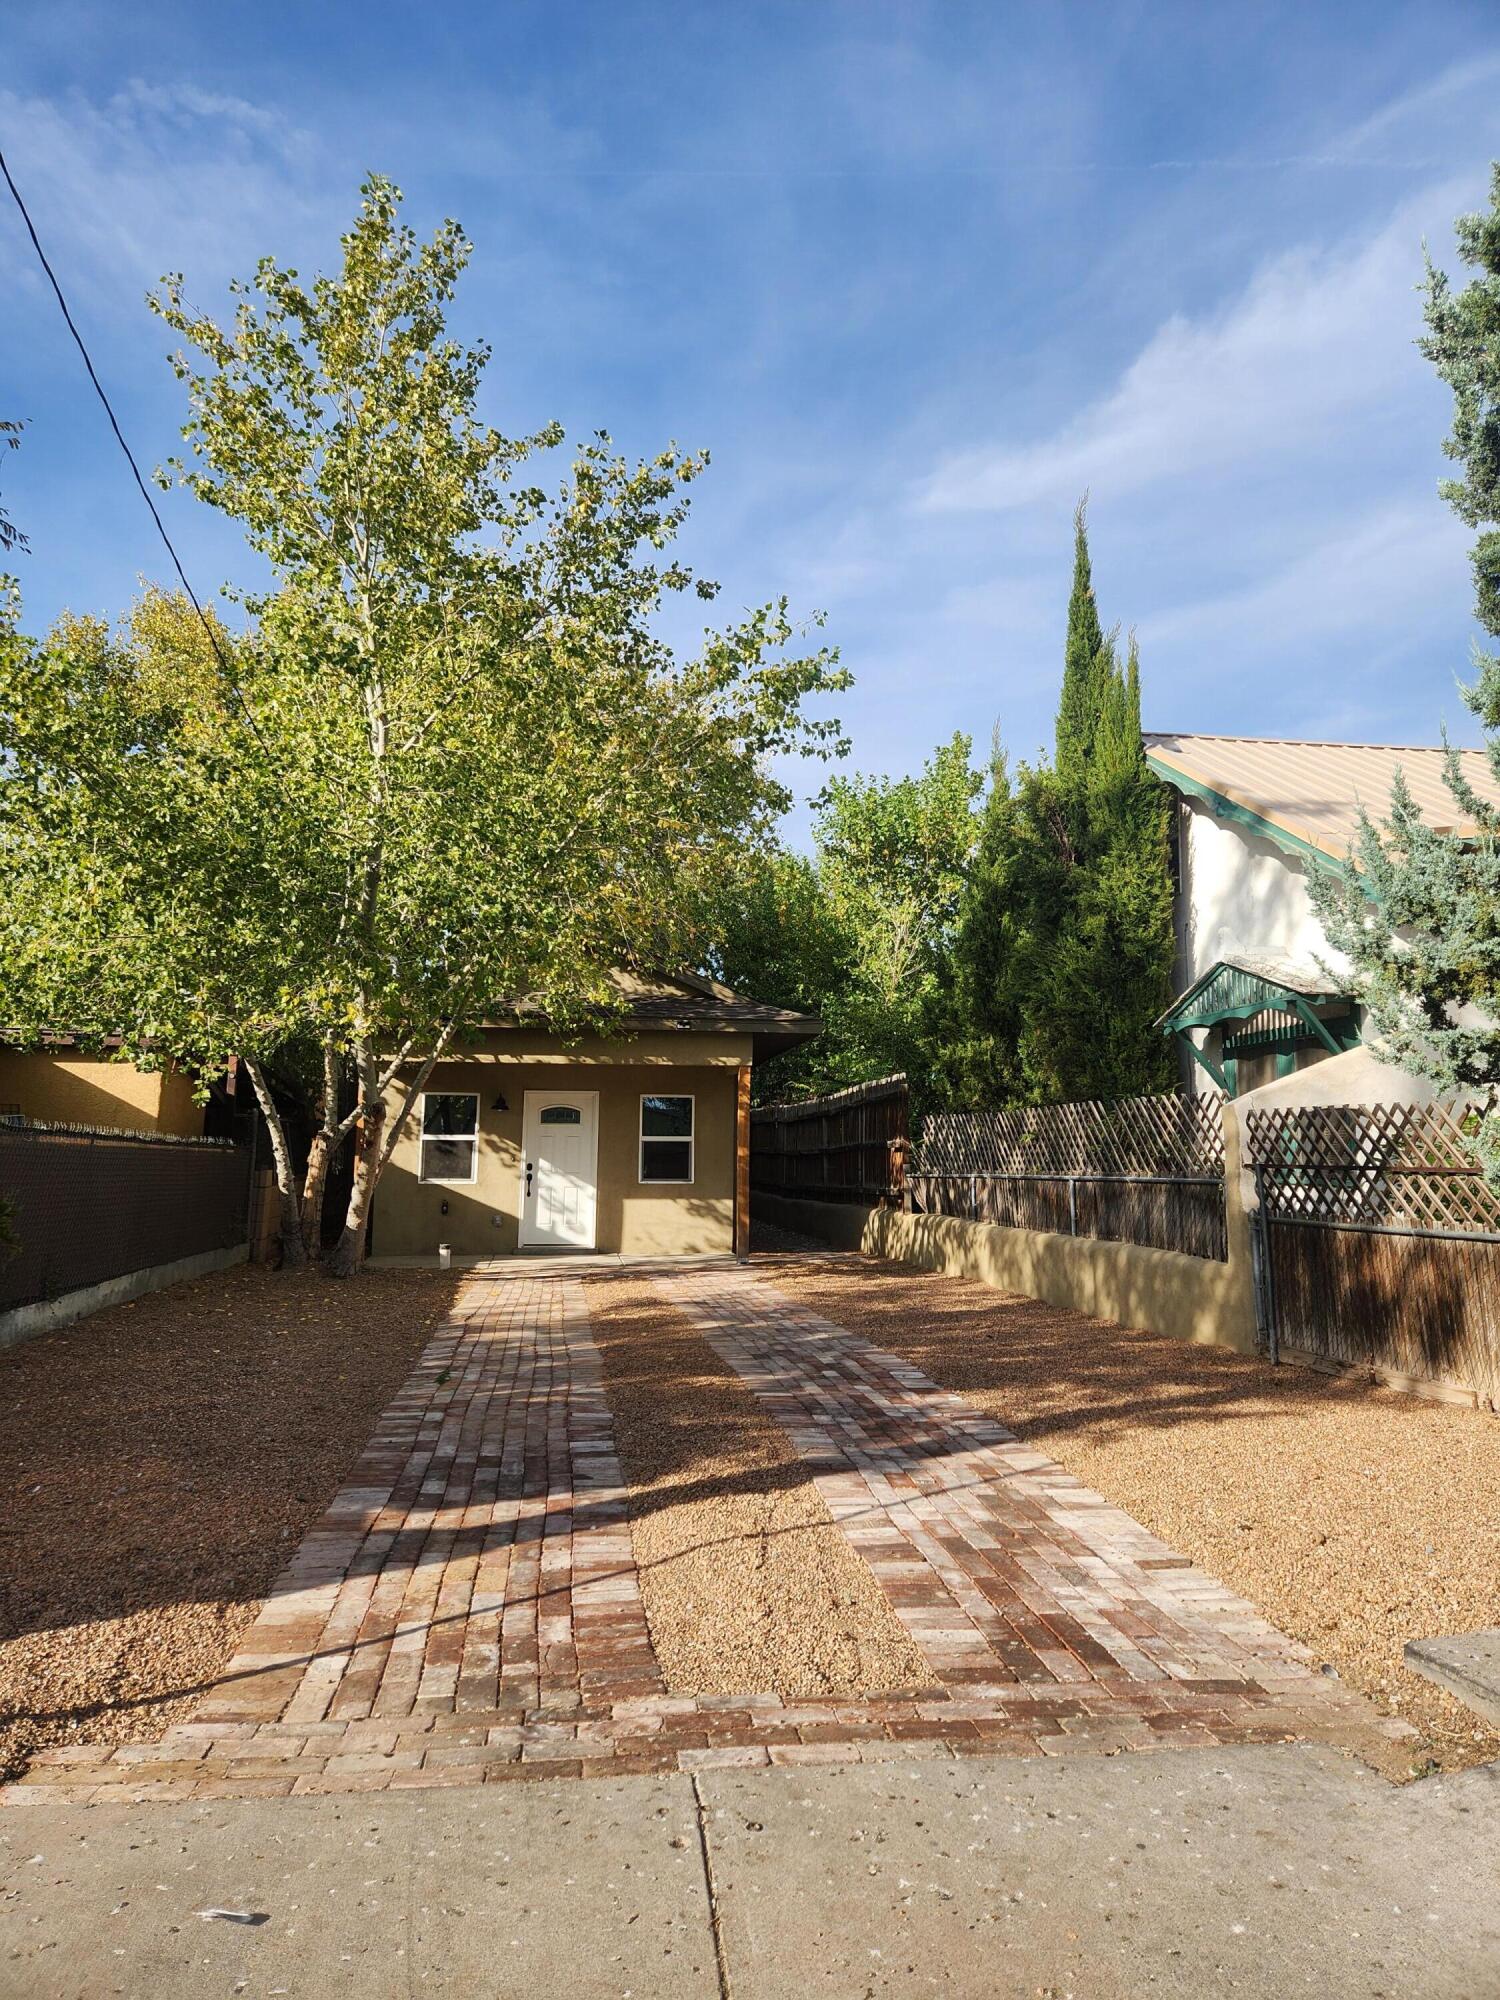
<point>47,1315</point>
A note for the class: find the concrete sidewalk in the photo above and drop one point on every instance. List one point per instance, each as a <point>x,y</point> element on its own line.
<point>1255,1871</point>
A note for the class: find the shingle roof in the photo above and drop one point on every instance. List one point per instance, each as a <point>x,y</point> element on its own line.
<point>1314,791</point>
<point>687,1001</point>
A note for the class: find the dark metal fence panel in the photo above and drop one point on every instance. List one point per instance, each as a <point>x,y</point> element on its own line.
<point>1143,1170</point>
<point>834,1148</point>
<point>1380,1242</point>
<point>87,1206</point>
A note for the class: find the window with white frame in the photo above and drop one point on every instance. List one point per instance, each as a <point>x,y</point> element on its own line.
<point>667,1139</point>
<point>450,1135</point>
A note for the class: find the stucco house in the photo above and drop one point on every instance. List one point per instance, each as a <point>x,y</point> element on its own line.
<point>636,1141</point>
<point>1255,976</point>
<point>60,1083</point>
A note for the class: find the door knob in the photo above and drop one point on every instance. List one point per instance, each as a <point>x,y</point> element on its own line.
<point>528,1178</point>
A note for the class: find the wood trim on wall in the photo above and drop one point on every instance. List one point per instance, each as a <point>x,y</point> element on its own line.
<point>742,1164</point>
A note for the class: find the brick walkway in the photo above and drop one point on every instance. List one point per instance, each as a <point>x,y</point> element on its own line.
<point>468,1608</point>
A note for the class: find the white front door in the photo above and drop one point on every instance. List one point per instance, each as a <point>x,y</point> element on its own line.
<point>559,1168</point>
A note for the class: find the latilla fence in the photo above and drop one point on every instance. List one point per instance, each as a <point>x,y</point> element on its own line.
<point>834,1148</point>
<point>1147,1170</point>
<point>88,1204</point>
<point>1379,1242</point>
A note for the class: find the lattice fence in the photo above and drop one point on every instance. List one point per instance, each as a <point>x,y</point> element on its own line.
<point>1380,1243</point>
<point>1405,1166</point>
<point>1146,1170</point>
<point>1171,1135</point>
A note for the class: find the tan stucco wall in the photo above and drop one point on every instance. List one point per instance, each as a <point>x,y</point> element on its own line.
<point>1189,1298</point>
<point>83,1090</point>
<point>638,1221</point>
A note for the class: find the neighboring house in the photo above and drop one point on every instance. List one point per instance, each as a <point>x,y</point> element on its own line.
<point>637,1141</point>
<point>1256,978</point>
<point>57,1084</point>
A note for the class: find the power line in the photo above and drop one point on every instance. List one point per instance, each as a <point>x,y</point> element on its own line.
<point>213,637</point>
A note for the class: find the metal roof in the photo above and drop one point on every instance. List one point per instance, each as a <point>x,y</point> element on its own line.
<point>1312,792</point>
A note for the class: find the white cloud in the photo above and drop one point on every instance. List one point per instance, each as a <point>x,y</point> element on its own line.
<point>1315,335</point>
<point>154,178</point>
<point>1367,579</point>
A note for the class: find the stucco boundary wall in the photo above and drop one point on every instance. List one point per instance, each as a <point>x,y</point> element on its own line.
<point>1187,1298</point>
<point>21,1323</point>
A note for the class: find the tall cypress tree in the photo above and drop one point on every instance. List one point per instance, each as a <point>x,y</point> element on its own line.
<point>1064,955</point>
<point>1109,974</point>
<point>1078,705</point>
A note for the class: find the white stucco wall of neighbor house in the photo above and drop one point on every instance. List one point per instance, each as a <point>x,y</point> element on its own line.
<point>1239,892</point>
<point>1243,893</point>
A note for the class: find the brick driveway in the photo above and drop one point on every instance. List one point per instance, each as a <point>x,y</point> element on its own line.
<point>468,1609</point>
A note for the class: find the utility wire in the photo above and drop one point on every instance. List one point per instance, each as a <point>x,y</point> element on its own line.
<point>145,491</point>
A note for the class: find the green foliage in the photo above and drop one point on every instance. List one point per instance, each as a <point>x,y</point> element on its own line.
<point>10,535</point>
<point>863,933</point>
<point>1081,703</point>
<point>1419,915</point>
<point>1463,343</point>
<point>1064,953</point>
<point>451,762</point>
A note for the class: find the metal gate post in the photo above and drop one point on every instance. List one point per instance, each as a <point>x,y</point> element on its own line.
<point>1072,1206</point>
<point>1267,1272</point>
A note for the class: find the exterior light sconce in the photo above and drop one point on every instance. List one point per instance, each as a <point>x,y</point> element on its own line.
<point>500,1103</point>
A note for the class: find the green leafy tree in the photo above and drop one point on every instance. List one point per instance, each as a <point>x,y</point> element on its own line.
<point>1419,916</point>
<point>776,935</point>
<point>452,764</point>
<point>1013,908</point>
<point>10,535</point>
<point>893,855</point>
<point>862,933</point>
<point>143,892</point>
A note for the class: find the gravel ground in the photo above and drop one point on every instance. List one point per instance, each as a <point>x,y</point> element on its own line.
<point>158,1463</point>
<point>746,1582</point>
<point>1355,1518</point>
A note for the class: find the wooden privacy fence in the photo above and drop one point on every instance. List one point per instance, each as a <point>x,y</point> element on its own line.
<point>834,1148</point>
<point>1379,1243</point>
<point>1146,1170</point>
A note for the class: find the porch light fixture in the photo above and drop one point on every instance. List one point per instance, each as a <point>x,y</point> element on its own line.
<point>500,1103</point>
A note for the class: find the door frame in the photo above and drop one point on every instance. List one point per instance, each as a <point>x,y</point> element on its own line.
<point>561,1096</point>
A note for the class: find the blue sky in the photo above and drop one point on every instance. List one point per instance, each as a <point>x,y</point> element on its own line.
<point>916,275</point>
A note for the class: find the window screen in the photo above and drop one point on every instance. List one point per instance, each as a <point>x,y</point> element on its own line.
<point>450,1145</point>
<point>667,1139</point>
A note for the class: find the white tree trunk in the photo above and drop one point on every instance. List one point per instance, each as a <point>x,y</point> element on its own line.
<point>293,1243</point>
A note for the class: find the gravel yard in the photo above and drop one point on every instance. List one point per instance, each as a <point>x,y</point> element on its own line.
<point>1354,1518</point>
<point>159,1462</point>
<point>747,1584</point>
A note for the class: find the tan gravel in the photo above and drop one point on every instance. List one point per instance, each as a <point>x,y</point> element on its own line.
<point>158,1463</point>
<point>747,1584</point>
<point>1355,1518</point>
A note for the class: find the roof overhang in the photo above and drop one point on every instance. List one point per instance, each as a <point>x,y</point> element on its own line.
<point>1245,813</point>
<point>1234,991</point>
